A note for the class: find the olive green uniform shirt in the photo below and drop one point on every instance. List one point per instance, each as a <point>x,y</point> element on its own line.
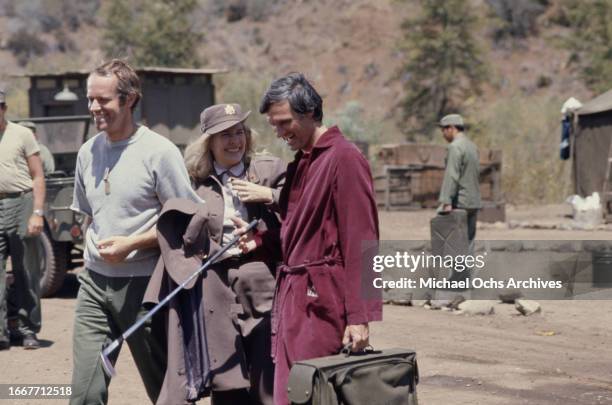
<point>461,186</point>
<point>47,159</point>
<point>17,143</point>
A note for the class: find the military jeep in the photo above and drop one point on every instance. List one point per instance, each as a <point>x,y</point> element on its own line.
<point>62,238</point>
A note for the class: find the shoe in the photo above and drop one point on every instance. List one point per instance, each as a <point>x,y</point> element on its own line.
<point>30,342</point>
<point>5,344</point>
<point>15,337</point>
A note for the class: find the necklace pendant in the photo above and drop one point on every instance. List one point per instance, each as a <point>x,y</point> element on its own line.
<point>106,182</point>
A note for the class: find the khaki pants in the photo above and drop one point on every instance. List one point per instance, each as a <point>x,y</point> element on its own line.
<point>25,259</point>
<point>106,307</point>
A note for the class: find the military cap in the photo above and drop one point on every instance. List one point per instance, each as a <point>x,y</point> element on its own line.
<point>452,120</point>
<point>219,117</point>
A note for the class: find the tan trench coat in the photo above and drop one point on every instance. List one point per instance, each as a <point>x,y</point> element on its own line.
<point>237,293</point>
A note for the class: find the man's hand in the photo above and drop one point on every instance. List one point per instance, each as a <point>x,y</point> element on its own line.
<point>247,242</point>
<point>447,208</point>
<point>35,225</point>
<point>251,192</point>
<point>358,335</point>
<point>115,249</point>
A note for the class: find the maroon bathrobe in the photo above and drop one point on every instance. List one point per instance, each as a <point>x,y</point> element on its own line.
<point>328,210</point>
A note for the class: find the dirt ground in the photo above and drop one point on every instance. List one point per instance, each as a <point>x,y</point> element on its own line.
<point>563,355</point>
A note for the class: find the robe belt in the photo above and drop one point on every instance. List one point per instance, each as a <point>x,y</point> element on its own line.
<point>283,287</point>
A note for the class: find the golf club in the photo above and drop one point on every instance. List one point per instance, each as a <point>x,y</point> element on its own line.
<point>109,369</point>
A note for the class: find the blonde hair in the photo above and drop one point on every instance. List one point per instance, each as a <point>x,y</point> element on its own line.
<point>199,159</point>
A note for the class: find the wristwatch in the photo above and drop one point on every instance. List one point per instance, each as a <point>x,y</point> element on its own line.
<point>38,213</point>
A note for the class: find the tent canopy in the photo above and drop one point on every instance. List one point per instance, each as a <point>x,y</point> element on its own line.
<point>591,145</point>
<point>601,103</point>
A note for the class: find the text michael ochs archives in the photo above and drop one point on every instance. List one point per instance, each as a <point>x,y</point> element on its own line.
<point>445,272</point>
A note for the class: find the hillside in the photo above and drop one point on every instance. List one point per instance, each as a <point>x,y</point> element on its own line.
<point>348,49</point>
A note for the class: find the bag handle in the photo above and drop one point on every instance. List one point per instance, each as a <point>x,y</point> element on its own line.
<point>346,350</point>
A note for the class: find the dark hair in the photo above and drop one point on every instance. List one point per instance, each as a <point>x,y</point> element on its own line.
<point>302,97</point>
<point>2,106</point>
<point>127,79</point>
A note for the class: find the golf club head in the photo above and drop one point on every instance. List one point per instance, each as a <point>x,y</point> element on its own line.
<point>107,364</point>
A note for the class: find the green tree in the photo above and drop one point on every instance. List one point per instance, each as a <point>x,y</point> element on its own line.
<point>354,123</point>
<point>443,64</point>
<point>591,40</point>
<point>152,33</point>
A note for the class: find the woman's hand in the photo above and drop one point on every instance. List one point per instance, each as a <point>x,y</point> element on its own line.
<point>248,241</point>
<point>251,192</point>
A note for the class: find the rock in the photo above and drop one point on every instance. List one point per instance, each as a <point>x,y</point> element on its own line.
<point>473,307</point>
<point>419,303</point>
<point>402,301</point>
<point>438,304</point>
<point>509,297</point>
<point>527,307</point>
<point>500,225</point>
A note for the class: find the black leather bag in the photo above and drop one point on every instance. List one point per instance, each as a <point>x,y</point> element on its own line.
<point>372,377</point>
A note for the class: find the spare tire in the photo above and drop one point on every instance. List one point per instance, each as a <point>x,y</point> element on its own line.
<point>54,259</point>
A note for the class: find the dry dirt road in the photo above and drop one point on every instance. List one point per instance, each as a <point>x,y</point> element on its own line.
<point>561,356</point>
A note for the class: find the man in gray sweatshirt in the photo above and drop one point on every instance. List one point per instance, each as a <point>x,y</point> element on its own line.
<point>123,177</point>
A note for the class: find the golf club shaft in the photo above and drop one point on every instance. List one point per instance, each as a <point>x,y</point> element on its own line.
<point>113,346</point>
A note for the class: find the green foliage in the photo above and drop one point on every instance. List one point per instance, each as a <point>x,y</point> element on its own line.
<point>236,10</point>
<point>25,44</point>
<point>591,40</point>
<point>527,129</point>
<point>33,18</point>
<point>152,33</point>
<point>443,64</point>
<point>354,124</point>
<point>517,18</point>
<point>247,90</point>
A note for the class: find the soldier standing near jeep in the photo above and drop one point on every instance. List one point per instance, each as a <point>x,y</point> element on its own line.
<point>22,197</point>
<point>45,154</point>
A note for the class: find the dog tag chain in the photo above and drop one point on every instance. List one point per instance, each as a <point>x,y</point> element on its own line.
<point>106,181</point>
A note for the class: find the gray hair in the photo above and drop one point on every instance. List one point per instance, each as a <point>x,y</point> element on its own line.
<point>302,97</point>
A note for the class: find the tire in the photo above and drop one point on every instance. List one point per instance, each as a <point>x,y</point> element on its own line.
<point>54,264</point>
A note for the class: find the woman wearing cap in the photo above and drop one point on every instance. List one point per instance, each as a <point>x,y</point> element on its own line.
<point>238,292</point>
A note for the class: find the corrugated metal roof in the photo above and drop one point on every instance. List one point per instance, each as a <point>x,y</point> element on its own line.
<point>148,69</point>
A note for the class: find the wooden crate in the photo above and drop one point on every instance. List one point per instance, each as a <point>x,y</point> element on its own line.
<point>411,175</point>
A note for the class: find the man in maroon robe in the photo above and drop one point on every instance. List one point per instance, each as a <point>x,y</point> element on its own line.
<point>328,210</point>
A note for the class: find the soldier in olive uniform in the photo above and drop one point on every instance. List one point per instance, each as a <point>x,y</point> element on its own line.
<point>22,198</point>
<point>46,156</point>
<point>460,188</point>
